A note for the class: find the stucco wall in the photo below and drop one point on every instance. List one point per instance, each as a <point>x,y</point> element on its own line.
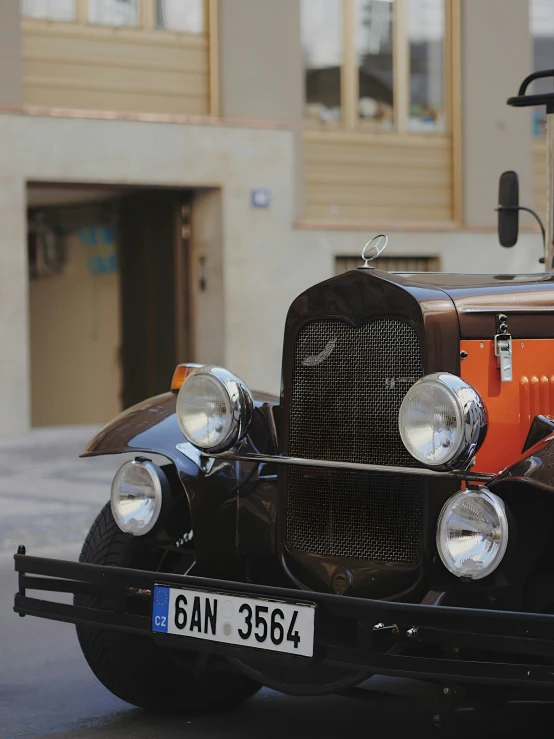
<point>496,56</point>
<point>266,261</point>
<point>261,67</point>
<point>11,87</point>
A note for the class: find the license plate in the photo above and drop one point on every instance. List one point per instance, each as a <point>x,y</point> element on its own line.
<point>231,619</point>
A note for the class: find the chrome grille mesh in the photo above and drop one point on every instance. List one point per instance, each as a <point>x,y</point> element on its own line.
<point>352,514</point>
<point>348,384</point>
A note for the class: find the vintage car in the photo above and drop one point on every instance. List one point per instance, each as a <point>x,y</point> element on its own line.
<point>391,513</point>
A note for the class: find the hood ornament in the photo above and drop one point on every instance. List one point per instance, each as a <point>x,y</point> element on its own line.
<point>373,249</point>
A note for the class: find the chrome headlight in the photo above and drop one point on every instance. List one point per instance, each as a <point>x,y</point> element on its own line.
<point>472,533</point>
<point>137,496</point>
<point>214,409</point>
<point>442,421</point>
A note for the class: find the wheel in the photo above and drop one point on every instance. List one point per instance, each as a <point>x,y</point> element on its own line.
<point>133,667</point>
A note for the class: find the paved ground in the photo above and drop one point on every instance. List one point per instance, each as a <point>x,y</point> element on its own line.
<point>48,499</point>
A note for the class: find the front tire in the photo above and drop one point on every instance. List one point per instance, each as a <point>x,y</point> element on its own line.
<point>133,667</point>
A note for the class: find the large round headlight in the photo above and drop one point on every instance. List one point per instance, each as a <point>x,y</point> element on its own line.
<point>137,496</point>
<point>214,409</point>
<point>442,421</point>
<point>472,533</point>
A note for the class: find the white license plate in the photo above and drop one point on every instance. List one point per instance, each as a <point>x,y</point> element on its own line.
<point>234,619</point>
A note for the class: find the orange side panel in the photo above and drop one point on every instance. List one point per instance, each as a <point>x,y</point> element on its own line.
<point>511,405</point>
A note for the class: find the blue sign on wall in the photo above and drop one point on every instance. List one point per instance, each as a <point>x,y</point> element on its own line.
<point>99,245</point>
<point>260,197</point>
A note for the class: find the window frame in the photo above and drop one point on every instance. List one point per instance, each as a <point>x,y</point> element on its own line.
<point>538,113</point>
<point>401,71</point>
<point>146,19</point>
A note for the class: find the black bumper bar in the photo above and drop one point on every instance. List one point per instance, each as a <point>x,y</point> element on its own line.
<point>402,639</point>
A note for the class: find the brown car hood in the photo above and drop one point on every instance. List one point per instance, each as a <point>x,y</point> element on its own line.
<point>527,300</point>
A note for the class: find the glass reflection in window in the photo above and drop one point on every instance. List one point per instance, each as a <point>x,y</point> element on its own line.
<point>426,38</point>
<point>321,30</point>
<point>374,45</point>
<point>182,16</point>
<point>541,21</point>
<point>114,12</point>
<point>52,10</point>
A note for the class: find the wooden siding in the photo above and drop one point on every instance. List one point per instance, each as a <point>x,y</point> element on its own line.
<point>67,65</point>
<point>356,176</point>
<point>539,176</point>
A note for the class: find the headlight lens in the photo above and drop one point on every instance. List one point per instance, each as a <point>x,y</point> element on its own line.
<point>214,409</point>
<point>136,498</point>
<point>442,421</point>
<point>472,533</point>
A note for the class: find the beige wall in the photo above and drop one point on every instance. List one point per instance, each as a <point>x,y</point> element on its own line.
<point>496,56</point>
<point>75,339</point>
<point>261,67</point>
<point>539,177</point>
<point>70,65</point>
<point>10,54</point>
<point>266,262</point>
<point>14,365</point>
<point>351,176</point>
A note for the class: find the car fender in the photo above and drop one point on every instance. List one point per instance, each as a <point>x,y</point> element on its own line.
<point>151,427</point>
<point>535,467</point>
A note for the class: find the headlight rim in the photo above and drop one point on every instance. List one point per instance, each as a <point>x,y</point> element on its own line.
<point>502,513</point>
<point>240,401</point>
<point>470,410</point>
<point>159,484</point>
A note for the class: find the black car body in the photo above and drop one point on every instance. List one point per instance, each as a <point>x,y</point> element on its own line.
<point>349,535</point>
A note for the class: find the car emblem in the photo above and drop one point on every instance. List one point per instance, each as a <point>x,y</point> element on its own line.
<point>316,359</point>
<point>373,249</point>
<point>392,382</point>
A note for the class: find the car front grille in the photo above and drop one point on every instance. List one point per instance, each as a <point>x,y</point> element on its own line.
<point>347,387</point>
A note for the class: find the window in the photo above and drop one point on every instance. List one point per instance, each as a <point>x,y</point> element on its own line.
<point>376,64</point>
<point>542,32</point>
<point>182,16</point>
<point>390,264</point>
<point>114,12</point>
<point>426,26</point>
<point>373,21</point>
<point>321,29</point>
<point>52,10</point>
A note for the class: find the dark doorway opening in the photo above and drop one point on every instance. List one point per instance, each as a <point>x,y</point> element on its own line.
<point>109,297</point>
<point>153,252</point>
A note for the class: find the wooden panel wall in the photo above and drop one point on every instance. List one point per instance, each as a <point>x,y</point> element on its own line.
<point>69,65</point>
<point>539,176</point>
<point>356,176</point>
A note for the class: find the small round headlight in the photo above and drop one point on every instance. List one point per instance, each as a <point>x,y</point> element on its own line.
<point>137,496</point>
<point>472,533</point>
<point>442,421</point>
<point>214,409</point>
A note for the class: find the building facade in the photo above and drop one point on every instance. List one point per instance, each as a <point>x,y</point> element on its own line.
<point>174,172</point>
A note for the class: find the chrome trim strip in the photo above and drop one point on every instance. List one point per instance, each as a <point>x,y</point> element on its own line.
<point>417,471</point>
<point>510,309</point>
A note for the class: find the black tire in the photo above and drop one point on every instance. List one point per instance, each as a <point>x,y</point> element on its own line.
<point>133,667</point>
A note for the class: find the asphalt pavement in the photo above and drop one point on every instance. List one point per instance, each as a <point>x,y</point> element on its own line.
<point>48,500</point>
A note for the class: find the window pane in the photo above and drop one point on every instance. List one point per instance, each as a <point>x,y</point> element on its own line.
<point>321,29</point>
<point>53,10</point>
<point>184,16</point>
<point>374,46</point>
<point>114,12</point>
<point>542,31</point>
<point>426,38</point>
